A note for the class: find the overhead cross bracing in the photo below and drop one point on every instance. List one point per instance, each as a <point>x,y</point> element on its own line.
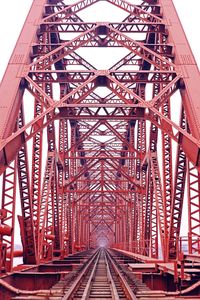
<point>100,132</point>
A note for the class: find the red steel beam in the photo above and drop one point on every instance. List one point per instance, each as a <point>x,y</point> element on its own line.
<point>104,179</point>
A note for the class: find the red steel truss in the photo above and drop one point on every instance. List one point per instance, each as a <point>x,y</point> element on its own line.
<point>93,157</point>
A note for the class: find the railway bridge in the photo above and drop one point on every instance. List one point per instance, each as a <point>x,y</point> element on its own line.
<point>100,154</point>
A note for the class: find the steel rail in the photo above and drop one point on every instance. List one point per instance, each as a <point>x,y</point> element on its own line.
<point>115,294</point>
<point>88,285</point>
<point>78,280</point>
<point>127,290</point>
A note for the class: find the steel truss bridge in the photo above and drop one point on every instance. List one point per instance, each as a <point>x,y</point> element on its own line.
<point>101,157</point>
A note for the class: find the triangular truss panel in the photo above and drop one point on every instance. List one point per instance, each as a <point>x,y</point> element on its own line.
<point>93,156</point>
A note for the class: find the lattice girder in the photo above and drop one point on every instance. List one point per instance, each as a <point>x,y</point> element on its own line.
<point>103,180</point>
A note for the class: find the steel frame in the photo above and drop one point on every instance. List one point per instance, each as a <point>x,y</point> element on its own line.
<point>109,178</point>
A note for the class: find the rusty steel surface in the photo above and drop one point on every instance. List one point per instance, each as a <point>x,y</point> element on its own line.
<point>102,156</point>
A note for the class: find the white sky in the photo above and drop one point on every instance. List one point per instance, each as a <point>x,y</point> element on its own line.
<point>12,20</point>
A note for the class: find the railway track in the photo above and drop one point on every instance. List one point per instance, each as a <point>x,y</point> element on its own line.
<point>101,280</point>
